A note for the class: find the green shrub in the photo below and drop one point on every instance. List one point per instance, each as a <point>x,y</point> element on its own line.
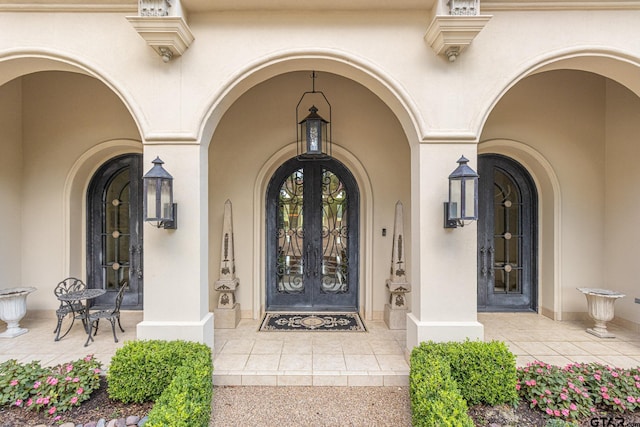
<point>435,399</point>
<point>485,371</point>
<point>176,375</point>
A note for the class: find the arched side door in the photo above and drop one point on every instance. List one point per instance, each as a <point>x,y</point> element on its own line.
<point>114,231</point>
<point>507,236</point>
<point>312,237</point>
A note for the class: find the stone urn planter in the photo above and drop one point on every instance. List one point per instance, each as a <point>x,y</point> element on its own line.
<point>600,305</point>
<point>13,307</point>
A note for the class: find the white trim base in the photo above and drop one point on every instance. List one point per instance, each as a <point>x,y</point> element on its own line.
<point>418,331</point>
<point>201,331</point>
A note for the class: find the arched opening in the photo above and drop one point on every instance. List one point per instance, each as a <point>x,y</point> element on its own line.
<point>312,241</point>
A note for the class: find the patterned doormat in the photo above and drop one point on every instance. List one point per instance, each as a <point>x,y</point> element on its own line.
<point>338,322</point>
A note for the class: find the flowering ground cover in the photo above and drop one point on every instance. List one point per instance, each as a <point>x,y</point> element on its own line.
<point>580,391</point>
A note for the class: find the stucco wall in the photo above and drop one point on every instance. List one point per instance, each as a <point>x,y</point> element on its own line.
<point>584,125</point>
<point>260,124</point>
<point>622,201</point>
<point>11,183</point>
<point>63,116</point>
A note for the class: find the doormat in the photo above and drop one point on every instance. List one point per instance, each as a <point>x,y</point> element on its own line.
<point>338,322</point>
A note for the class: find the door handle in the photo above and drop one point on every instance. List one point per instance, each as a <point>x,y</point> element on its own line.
<point>307,260</point>
<point>315,259</point>
<point>492,260</point>
<point>483,261</point>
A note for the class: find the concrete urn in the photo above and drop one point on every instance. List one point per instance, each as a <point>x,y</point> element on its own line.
<point>13,307</point>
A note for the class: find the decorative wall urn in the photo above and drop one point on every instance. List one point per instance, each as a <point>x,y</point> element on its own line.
<point>13,307</point>
<point>600,305</point>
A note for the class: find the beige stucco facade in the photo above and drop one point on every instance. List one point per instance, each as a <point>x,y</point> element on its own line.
<point>554,86</point>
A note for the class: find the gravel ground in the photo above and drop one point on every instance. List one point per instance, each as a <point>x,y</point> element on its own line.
<point>311,406</point>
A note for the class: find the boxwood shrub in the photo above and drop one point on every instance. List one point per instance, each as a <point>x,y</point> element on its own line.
<point>435,398</point>
<point>446,377</point>
<point>176,375</point>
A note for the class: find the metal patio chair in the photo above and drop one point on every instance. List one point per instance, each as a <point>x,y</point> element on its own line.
<point>110,314</point>
<point>76,308</point>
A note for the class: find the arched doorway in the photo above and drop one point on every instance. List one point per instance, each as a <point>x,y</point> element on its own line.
<point>507,236</point>
<point>312,237</point>
<point>114,230</point>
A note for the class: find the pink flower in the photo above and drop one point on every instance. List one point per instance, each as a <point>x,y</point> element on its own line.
<point>592,409</point>
<point>74,399</point>
<point>80,390</point>
<point>563,396</point>
<point>631,399</point>
<point>68,378</point>
<point>29,402</point>
<point>88,358</point>
<point>573,407</point>
<point>76,379</point>
<point>556,412</point>
<point>547,391</point>
<point>638,385</point>
<point>517,386</point>
<point>46,400</point>
<point>604,389</point>
<point>96,371</point>
<point>605,396</point>
<point>39,401</point>
<point>534,401</point>
<point>52,410</point>
<point>565,412</point>
<point>69,367</point>
<point>37,384</point>
<point>614,374</point>
<point>57,418</point>
<point>18,402</point>
<point>580,378</point>
<point>52,380</point>
<point>597,377</point>
<point>616,400</point>
<point>549,411</point>
<point>13,382</point>
<point>585,394</point>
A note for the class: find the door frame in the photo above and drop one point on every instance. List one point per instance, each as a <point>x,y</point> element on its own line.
<point>133,299</point>
<point>526,184</point>
<point>270,210</point>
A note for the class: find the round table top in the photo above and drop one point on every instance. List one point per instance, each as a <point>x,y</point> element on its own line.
<point>79,295</point>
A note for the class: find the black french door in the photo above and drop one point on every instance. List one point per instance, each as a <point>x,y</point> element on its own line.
<point>507,236</point>
<point>312,237</point>
<point>114,231</point>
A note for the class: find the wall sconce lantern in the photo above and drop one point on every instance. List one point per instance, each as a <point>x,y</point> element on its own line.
<point>463,196</point>
<point>313,133</point>
<point>158,207</point>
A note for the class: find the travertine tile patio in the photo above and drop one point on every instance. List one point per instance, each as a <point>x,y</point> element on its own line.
<point>244,356</point>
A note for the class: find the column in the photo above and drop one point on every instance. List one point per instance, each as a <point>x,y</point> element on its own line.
<point>443,264</point>
<point>176,291</point>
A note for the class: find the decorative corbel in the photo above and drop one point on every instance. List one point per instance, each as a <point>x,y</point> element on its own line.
<point>167,34</point>
<point>449,35</point>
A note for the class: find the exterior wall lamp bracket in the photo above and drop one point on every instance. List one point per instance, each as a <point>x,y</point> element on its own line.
<point>463,196</point>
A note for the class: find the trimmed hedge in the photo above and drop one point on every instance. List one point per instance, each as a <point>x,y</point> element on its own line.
<point>176,375</point>
<point>445,377</point>
<point>435,397</point>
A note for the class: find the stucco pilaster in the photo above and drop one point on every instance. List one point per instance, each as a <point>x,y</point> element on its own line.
<point>176,261</point>
<point>444,275</point>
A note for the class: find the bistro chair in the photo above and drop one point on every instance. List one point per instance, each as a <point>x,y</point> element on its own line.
<point>76,308</point>
<point>110,314</point>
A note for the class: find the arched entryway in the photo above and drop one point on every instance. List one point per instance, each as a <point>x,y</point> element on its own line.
<point>312,237</point>
<point>507,236</point>
<point>114,230</point>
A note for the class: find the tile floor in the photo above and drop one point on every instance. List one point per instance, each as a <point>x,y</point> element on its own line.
<point>244,356</point>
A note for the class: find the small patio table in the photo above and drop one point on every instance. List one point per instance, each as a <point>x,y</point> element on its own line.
<point>86,295</point>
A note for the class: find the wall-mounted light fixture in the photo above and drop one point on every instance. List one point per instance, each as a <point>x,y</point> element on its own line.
<point>463,196</point>
<point>158,207</point>
<point>313,133</point>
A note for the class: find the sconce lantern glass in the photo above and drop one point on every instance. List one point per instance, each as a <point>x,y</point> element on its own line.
<point>463,196</point>
<point>313,133</point>
<point>158,207</point>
